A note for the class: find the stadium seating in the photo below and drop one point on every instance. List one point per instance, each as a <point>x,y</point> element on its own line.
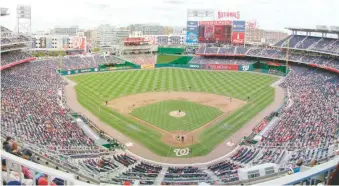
<point>226,171</point>
<point>33,111</point>
<point>328,45</point>
<point>9,57</point>
<point>185,176</point>
<point>275,53</point>
<point>310,122</point>
<point>144,172</point>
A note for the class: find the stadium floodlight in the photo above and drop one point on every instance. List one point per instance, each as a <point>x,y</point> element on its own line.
<point>4,11</point>
<point>200,14</point>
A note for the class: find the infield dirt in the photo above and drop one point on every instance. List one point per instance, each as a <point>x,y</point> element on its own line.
<point>127,104</point>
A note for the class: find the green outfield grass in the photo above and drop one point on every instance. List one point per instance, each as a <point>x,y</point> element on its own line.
<point>158,114</point>
<point>94,89</point>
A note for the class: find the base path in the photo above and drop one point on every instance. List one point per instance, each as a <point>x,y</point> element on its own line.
<point>138,149</point>
<point>127,104</point>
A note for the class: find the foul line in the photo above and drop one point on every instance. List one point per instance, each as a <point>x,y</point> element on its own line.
<point>149,124</point>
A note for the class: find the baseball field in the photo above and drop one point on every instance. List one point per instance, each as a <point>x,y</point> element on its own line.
<point>168,109</point>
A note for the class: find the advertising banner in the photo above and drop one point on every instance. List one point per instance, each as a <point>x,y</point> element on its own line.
<point>65,42</point>
<point>42,42</point>
<point>204,23</point>
<point>150,39</point>
<point>239,26</point>
<point>49,43</point>
<point>221,67</point>
<point>148,66</point>
<point>78,42</point>
<point>246,67</point>
<point>209,31</point>
<point>273,63</point>
<point>33,42</point>
<point>238,37</point>
<point>192,32</point>
<point>195,66</point>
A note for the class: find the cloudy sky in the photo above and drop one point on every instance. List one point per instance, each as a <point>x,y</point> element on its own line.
<point>270,14</point>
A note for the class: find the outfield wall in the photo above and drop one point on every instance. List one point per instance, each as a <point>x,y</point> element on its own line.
<point>173,59</point>
<point>127,66</point>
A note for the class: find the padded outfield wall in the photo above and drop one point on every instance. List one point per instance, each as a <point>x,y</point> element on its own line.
<point>173,59</point>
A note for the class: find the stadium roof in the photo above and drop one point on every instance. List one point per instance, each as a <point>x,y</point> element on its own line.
<point>327,31</point>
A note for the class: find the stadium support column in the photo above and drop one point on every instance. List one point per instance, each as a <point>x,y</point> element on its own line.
<point>287,53</point>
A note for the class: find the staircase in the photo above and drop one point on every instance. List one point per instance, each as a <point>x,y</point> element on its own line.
<point>248,51</point>
<point>326,47</point>
<point>161,176</point>
<point>300,42</point>
<point>315,44</point>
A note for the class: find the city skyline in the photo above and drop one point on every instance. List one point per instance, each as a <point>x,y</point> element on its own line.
<point>270,14</point>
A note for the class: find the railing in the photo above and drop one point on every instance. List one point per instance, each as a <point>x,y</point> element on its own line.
<point>15,163</point>
<point>307,175</point>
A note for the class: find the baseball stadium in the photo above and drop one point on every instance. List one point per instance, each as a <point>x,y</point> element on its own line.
<point>204,108</point>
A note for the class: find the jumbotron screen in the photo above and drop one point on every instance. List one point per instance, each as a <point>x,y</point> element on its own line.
<point>221,32</point>
<point>215,32</point>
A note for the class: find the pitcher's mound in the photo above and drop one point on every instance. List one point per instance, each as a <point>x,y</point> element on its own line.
<point>177,114</point>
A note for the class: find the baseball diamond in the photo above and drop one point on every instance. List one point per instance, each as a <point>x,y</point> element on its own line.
<point>158,131</point>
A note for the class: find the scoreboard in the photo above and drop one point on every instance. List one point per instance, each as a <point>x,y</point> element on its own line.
<point>221,32</point>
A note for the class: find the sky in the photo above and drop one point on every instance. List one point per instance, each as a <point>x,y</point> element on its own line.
<point>87,14</point>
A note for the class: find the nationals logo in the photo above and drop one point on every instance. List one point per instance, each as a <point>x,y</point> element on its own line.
<point>182,152</point>
<point>245,67</point>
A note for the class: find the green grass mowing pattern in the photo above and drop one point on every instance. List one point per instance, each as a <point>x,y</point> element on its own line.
<point>95,88</point>
<point>158,114</point>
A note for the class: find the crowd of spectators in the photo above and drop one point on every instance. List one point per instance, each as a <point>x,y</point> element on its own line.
<point>272,53</point>
<point>32,112</point>
<point>226,171</point>
<point>146,173</point>
<point>310,123</point>
<point>10,57</point>
<point>185,176</point>
<point>23,176</point>
<point>327,45</point>
<point>12,40</point>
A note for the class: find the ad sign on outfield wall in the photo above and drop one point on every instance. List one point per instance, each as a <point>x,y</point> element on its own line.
<point>147,66</point>
<point>196,66</point>
<point>192,32</point>
<point>239,26</point>
<point>221,66</point>
<point>245,67</point>
<point>238,38</point>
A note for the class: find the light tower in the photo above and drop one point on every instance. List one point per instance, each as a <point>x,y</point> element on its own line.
<point>23,16</point>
